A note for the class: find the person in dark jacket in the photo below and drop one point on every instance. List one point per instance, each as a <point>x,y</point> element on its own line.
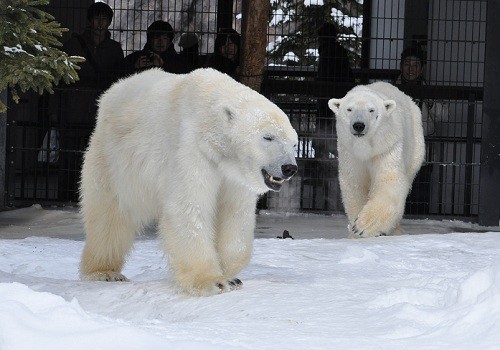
<point>333,62</point>
<point>333,66</point>
<point>190,50</point>
<point>158,52</point>
<point>100,69</point>
<point>73,108</point>
<point>412,65</point>
<point>102,54</point>
<point>226,56</point>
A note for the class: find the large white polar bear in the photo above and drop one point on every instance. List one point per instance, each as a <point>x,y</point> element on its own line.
<point>381,148</point>
<point>192,152</point>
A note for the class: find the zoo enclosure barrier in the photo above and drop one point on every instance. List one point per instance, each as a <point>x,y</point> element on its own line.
<point>451,34</point>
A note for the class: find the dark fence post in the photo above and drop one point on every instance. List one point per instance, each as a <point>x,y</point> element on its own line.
<point>224,14</point>
<point>469,153</point>
<point>489,193</point>
<point>366,35</point>
<point>3,149</point>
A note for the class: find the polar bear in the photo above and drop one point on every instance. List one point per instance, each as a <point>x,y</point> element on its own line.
<point>381,148</point>
<point>192,152</point>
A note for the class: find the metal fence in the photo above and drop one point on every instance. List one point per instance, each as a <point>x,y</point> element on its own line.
<point>451,35</point>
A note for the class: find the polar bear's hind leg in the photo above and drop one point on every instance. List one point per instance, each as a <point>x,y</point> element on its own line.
<point>110,236</point>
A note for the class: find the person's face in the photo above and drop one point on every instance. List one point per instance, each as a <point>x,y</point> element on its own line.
<point>100,23</point>
<point>160,43</point>
<point>411,69</point>
<point>229,49</point>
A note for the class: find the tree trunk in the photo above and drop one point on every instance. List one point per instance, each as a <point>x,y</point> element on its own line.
<point>254,34</point>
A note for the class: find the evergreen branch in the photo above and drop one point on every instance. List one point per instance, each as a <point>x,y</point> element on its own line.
<point>29,54</point>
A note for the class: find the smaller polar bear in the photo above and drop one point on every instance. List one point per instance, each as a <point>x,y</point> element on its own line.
<point>192,152</point>
<point>381,148</point>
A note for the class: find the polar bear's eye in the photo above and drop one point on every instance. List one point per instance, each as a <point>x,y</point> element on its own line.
<point>371,110</point>
<point>269,138</point>
<point>349,109</point>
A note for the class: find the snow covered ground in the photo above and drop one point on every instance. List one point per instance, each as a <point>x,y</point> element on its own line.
<point>436,288</point>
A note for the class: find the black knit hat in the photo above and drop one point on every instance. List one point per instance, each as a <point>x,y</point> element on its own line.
<point>224,34</point>
<point>158,28</point>
<point>328,30</point>
<point>99,8</point>
<point>413,51</point>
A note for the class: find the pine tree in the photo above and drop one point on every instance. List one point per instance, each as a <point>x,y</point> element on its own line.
<point>295,24</point>
<point>29,54</point>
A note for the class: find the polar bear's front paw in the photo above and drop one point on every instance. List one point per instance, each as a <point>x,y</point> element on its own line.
<point>208,285</point>
<point>229,285</point>
<point>360,231</point>
<point>105,276</point>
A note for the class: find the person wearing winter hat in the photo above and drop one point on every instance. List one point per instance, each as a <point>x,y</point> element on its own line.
<point>189,44</point>
<point>333,66</point>
<point>158,52</point>
<point>412,66</point>
<point>226,55</point>
<point>188,40</point>
<point>74,106</point>
<point>95,44</point>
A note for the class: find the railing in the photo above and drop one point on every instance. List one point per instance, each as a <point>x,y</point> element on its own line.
<point>458,165</point>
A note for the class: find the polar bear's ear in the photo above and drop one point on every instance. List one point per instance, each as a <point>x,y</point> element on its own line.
<point>389,106</point>
<point>334,105</point>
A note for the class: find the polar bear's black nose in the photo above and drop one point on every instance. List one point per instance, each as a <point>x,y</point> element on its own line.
<point>358,127</point>
<point>289,170</point>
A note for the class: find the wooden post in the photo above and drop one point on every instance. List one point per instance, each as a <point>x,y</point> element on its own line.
<point>255,22</point>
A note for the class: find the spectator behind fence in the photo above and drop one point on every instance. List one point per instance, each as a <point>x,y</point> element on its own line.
<point>73,107</point>
<point>102,54</point>
<point>333,62</point>
<point>412,68</point>
<point>190,50</point>
<point>158,52</point>
<point>226,55</point>
<point>333,66</point>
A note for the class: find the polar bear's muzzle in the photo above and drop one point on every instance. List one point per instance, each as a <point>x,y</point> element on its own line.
<point>273,182</point>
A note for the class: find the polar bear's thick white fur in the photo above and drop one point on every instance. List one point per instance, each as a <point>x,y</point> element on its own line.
<point>192,152</point>
<point>381,148</point>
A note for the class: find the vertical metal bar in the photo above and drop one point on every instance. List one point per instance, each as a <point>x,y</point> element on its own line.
<point>224,14</point>
<point>3,149</point>
<point>24,172</point>
<point>454,170</point>
<point>489,192</point>
<point>366,34</point>
<point>441,178</point>
<point>469,153</point>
